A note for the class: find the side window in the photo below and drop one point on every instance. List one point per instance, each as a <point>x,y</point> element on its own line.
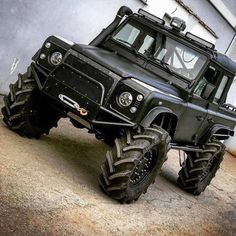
<point>221,88</point>
<point>211,75</point>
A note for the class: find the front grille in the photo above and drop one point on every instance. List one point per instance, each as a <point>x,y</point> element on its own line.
<point>80,83</point>
<point>91,69</point>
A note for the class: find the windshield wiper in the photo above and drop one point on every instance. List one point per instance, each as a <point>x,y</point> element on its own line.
<point>130,46</point>
<point>167,67</point>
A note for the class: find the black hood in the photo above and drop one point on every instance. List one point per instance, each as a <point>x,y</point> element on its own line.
<point>124,67</point>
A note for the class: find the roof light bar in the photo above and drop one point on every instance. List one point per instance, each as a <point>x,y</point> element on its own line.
<point>151,17</point>
<point>199,40</point>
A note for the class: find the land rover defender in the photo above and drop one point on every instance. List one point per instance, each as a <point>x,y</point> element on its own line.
<point>143,86</point>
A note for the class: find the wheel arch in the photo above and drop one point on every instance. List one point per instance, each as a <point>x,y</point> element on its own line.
<point>162,116</point>
<point>218,131</point>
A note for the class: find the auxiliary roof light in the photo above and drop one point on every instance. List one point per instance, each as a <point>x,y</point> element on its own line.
<point>178,24</point>
<point>151,17</point>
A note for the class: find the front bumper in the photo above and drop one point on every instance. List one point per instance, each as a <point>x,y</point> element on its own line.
<point>85,93</point>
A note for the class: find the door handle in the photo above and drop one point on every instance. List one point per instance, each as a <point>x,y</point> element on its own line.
<point>200,118</point>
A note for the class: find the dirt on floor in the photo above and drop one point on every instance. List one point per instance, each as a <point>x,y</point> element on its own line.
<point>49,187</point>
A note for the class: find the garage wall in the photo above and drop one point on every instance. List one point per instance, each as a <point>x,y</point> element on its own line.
<point>231,142</point>
<point>25,24</point>
<point>211,16</point>
<point>232,54</point>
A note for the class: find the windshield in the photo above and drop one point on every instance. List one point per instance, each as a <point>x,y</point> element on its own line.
<point>162,49</point>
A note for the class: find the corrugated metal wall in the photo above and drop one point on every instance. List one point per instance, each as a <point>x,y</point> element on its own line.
<point>25,24</point>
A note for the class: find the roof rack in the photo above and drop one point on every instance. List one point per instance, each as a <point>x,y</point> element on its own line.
<point>151,17</point>
<point>199,40</point>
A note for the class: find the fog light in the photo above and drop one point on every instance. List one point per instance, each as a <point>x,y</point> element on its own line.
<point>47,45</point>
<point>56,58</point>
<point>125,99</point>
<point>42,56</point>
<point>133,109</point>
<point>139,97</point>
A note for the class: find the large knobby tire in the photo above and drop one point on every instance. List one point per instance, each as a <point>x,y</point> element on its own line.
<point>26,110</point>
<point>133,163</point>
<point>200,168</point>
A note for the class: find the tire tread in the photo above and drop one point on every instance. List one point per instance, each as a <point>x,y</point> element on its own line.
<point>195,164</point>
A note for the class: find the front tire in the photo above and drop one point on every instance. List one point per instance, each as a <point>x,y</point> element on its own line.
<point>200,168</point>
<point>26,110</point>
<point>133,163</point>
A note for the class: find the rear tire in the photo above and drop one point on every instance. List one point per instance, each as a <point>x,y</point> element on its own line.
<point>200,168</point>
<point>133,163</point>
<point>26,110</point>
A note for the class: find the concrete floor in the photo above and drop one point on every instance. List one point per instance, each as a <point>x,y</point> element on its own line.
<point>49,187</point>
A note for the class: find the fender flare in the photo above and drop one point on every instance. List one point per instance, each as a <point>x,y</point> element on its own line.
<point>153,113</point>
<point>213,130</point>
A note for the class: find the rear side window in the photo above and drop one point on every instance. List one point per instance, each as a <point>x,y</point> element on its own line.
<point>221,88</point>
<point>211,75</point>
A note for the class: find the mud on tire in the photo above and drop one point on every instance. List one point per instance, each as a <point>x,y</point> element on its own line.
<point>26,111</point>
<point>133,163</point>
<point>200,168</point>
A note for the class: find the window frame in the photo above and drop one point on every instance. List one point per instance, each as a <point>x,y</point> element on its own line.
<point>136,22</point>
<point>221,73</point>
<point>226,89</point>
<point>223,91</point>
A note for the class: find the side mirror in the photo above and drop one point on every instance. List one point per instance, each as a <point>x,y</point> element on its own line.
<point>208,91</point>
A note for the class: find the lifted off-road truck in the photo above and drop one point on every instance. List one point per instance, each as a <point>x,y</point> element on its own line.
<point>141,86</point>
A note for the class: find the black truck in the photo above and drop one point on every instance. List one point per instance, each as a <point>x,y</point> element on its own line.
<point>142,86</point>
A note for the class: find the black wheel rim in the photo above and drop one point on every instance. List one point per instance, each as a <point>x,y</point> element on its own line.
<point>143,168</point>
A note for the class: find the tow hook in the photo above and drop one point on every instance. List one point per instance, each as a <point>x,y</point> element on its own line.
<point>83,112</point>
<point>73,104</point>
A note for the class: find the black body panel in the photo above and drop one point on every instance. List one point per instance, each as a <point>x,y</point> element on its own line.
<point>226,62</point>
<point>124,67</point>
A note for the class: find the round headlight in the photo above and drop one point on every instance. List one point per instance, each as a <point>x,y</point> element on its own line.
<point>56,58</point>
<point>125,99</point>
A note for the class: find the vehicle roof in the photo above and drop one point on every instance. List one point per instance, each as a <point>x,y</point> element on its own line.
<point>226,62</point>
